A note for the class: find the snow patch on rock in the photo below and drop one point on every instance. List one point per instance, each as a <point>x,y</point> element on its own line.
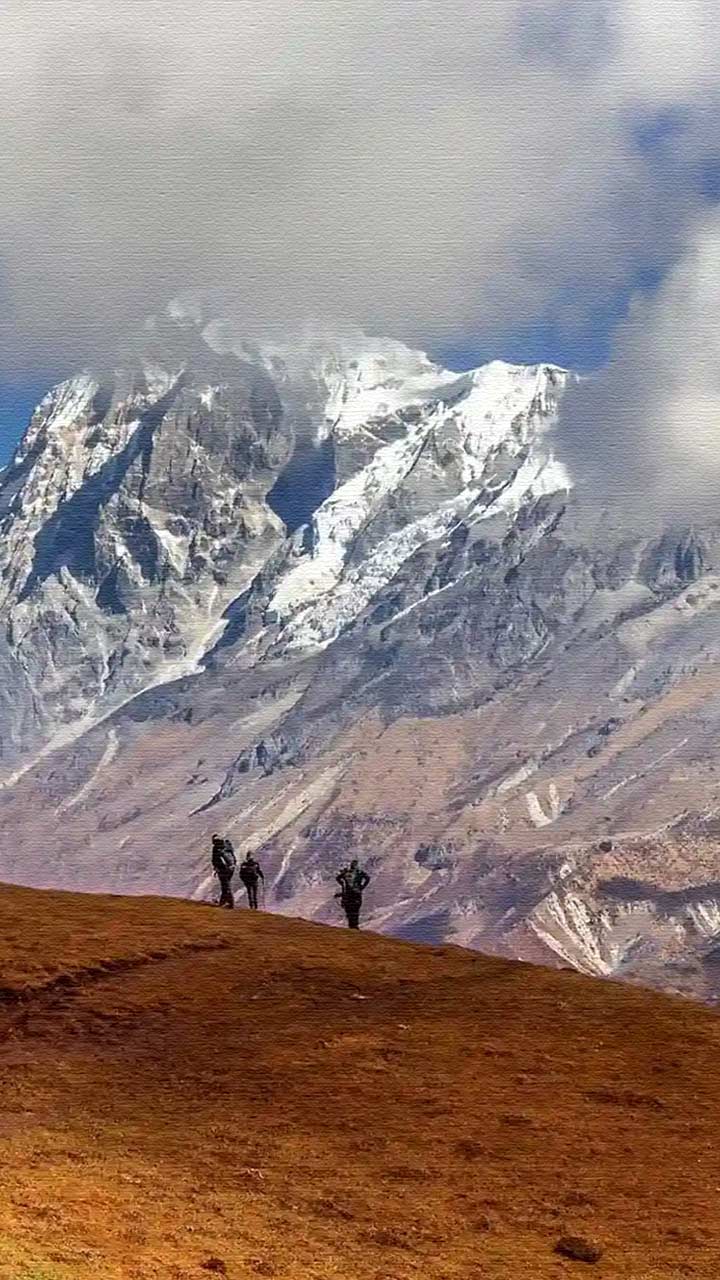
<point>499,406</point>
<point>538,815</point>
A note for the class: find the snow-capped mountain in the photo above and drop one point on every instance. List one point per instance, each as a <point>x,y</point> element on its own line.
<point>139,505</point>
<point>332,598</point>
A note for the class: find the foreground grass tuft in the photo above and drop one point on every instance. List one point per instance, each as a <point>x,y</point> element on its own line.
<point>38,1273</point>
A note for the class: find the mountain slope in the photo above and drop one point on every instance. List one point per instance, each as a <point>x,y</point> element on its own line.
<point>184,1091</point>
<point>140,503</point>
<point>335,600</point>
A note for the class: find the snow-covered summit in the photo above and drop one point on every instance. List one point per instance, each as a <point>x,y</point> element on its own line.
<point>143,501</point>
<point>475,446</point>
<point>359,377</point>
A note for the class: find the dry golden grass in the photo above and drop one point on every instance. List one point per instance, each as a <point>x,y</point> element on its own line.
<point>185,1092</point>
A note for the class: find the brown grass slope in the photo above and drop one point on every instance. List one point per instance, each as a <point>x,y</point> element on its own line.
<point>185,1092</point>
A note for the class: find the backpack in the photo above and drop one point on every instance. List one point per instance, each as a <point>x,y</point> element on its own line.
<point>224,858</point>
<point>353,879</point>
<point>228,855</point>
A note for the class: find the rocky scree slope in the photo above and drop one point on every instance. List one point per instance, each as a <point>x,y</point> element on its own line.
<point>333,599</point>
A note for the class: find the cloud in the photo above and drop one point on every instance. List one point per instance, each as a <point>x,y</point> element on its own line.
<point>438,172</point>
<point>666,52</point>
<point>644,435</point>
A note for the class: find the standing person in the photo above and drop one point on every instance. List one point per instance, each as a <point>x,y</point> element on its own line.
<point>250,873</point>
<point>353,881</point>
<point>224,863</point>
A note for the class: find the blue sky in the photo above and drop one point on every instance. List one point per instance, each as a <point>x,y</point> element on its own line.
<point>585,350</point>
<point>17,401</point>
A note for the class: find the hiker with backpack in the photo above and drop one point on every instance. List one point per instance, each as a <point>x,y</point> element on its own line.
<point>224,863</point>
<point>353,881</point>
<point>250,873</point>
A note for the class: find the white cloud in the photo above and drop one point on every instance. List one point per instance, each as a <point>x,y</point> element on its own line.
<point>441,172</point>
<point>645,434</point>
<point>666,49</point>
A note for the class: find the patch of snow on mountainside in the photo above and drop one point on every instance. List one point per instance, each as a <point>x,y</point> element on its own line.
<point>109,754</point>
<point>364,378</point>
<point>200,639</point>
<point>499,406</point>
<point>599,939</point>
<point>342,516</point>
<point>705,916</point>
<point>59,409</point>
<point>570,927</point>
<point>322,620</point>
<point>159,379</point>
<point>375,385</point>
<point>500,401</point>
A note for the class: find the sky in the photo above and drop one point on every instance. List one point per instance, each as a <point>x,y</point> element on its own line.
<point>523,179</point>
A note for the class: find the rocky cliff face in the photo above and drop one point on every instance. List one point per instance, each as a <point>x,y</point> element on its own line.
<point>336,600</point>
<point>132,513</point>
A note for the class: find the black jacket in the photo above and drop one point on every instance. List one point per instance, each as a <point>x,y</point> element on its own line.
<point>353,881</point>
<point>251,871</point>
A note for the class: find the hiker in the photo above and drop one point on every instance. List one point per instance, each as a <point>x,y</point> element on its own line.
<point>353,881</point>
<point>250,873</point>
<point>224,863</point>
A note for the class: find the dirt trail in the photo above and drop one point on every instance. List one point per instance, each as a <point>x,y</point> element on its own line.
<point>252,1096</point>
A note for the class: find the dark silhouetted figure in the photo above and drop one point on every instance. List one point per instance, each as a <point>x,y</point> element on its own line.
<point>250,873</point>
<point>224,863</point>
<point>353,881</point>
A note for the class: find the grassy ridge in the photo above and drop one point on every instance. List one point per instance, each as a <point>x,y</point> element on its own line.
<point>186,1092</point>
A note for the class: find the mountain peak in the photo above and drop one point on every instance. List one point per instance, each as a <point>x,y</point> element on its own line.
<point>144,500</point>
<point>347,600</point>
